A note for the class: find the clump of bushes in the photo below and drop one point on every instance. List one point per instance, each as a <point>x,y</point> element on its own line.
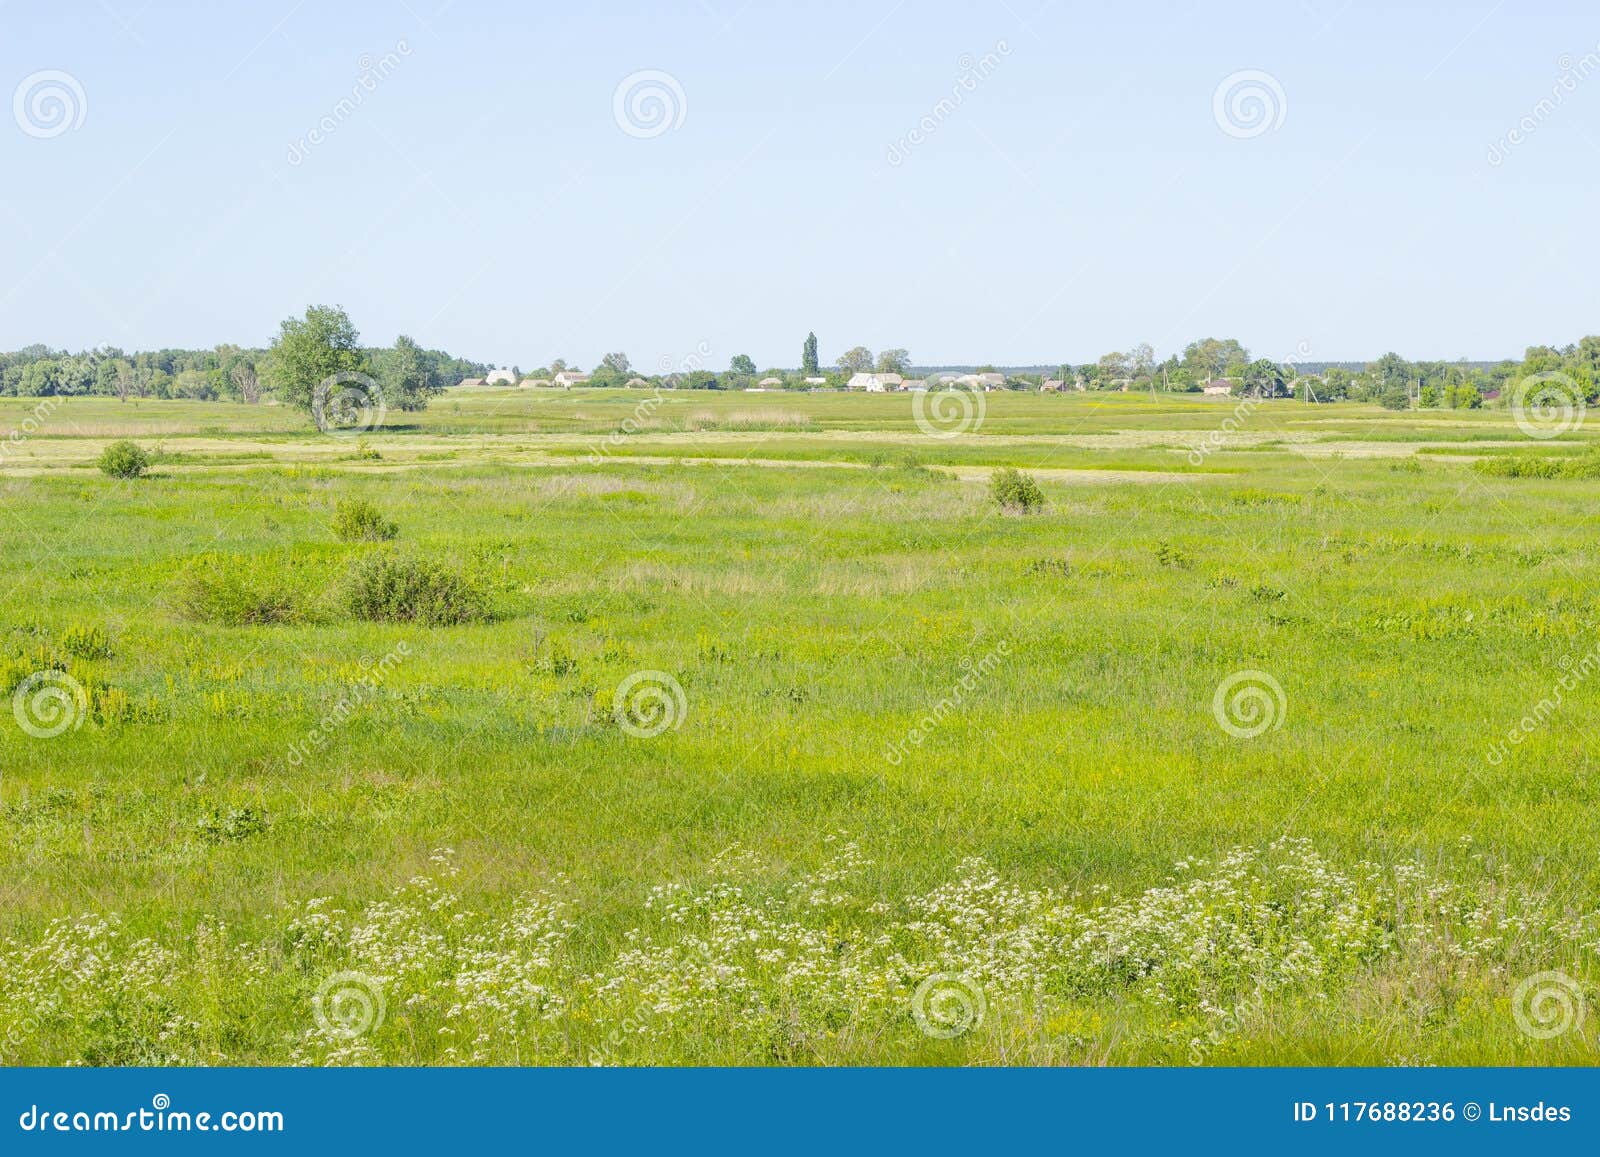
<point>1526,466</point>
<point>390,588</point>
<point>219,590</point>
<point>357,520</point>
<point>124,459</point>
<point>1015,491</point>
<point>89,642</point>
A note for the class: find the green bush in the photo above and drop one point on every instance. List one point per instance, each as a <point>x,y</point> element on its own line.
<point>124,459</point>
<point>1527,466</point>
<point>234,593</point>
<point>357,520</point>
<point>88,642</point>
<point>390,588</point>
<point>1014,490</point>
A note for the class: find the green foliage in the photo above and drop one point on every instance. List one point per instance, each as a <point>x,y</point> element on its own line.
<point>236,592</point>
<point>1015,491</point>
<point>89,642</point>
<point>1529,466</point>
<point>310,350</point>
<point>409,375</point>
<point>808,356</point>
<point>391,588</point>
<point>124,459</point>
<point>218,826</point>
<point>357,520</point>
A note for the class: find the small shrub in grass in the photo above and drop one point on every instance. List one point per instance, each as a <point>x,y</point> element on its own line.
<point>234,593</point>
<point>86,642</point>
<point>1016,491</point>
<point>391,588</point>
<point>357,520</point>
<point>124,459</point>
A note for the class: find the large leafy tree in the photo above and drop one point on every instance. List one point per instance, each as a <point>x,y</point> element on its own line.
<point>1213,356</point>
<point>1264,379</point>
<point>410,375</point>
<point>309,351</point>
<point>856,360</point>
<point>742,364</point>
<point>808,356</point>
<point>894,361</point>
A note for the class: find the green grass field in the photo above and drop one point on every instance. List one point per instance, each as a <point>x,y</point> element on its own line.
<point>905,779</point>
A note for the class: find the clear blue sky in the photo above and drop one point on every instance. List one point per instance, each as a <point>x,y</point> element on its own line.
<point>1081,197</point>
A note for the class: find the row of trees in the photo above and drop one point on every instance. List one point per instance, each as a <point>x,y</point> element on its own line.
<point>227,372</point>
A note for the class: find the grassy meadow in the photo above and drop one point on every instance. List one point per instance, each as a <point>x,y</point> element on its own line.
<point>773,739</point>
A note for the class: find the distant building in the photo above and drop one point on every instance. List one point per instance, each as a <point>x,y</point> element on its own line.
<point>816,381</point>
<point>1052,386</point>
<point>914,384</point>
<point>635,383</point>
<point>471,382</point>
<point>874,383</point>
<point>770,383</point>
<point>536,382</point>
<point>566,379</point>
<point>985,382</point>
<point>1217,387</point>
<point>500,377</point>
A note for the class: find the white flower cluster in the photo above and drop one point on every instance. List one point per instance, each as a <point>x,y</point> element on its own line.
<point>739,969</point>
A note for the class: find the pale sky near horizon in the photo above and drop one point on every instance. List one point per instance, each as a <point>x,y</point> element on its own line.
<point>1082,191</point>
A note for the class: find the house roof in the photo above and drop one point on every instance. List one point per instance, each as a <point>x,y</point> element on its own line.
<point>471,382</point>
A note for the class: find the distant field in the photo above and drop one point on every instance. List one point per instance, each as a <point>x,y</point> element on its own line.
<point>1209,761</point>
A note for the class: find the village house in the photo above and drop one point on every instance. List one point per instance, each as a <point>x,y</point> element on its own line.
<point>566,379</point>
<point>470,382</point>
<point>535,382</point>
<point>874,383</point>
<point>914,384</point>
<point>1217,387</point>
<point>1052,386</point>
<point>500,377</point>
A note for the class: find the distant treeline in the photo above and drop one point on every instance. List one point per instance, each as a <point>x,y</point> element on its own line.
<point>225,372</point>
<point>325,341</point>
